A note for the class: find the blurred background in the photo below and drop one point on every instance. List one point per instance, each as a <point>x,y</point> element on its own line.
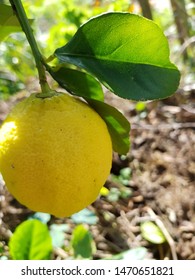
<point>55,23</point>
<point>147,208</point>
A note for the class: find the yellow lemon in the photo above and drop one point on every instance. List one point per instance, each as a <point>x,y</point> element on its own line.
<point>55,154</point>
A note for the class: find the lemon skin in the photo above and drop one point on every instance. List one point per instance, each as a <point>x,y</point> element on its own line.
<point>55,154</point>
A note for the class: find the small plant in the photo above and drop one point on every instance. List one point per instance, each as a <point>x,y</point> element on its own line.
<point>55,150</point>
<point>31,241</point>
<point>82,243</point>
<point>152,233</point>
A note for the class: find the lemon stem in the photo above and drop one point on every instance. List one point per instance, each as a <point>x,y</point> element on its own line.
<point>24,22</point>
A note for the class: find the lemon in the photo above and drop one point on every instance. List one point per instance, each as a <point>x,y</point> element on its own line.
<point>55,154</point>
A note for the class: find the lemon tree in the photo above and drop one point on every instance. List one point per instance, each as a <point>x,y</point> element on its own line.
<point>56,150</point>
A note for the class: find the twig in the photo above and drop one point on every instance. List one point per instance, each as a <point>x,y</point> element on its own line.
<point>188,109</point>
<point>127,224</point>
<point>185,45</point>
<point>164,231</point>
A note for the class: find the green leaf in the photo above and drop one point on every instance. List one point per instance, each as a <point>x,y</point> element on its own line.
<point>85,216</point>
<point>57,233</point>
<point>8,22</point>
<point>113,195</point>
<point>43,217</point>
<point>82,242</point>
<point>77,82</point>
<point>152,233</point>
<point>128,53</point>
<point>118,125</point>
<point>31,241</point>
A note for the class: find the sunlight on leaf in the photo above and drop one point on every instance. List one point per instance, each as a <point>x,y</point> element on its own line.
<point>31,241</point>
<point>8,22</point>
<point>152,233</point>
<point>130,56</point>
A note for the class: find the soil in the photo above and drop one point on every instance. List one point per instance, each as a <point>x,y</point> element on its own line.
<point>162,184</point>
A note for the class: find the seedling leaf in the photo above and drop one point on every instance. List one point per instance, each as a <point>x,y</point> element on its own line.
<point>31,241</point>
<point>152,233</point>
<point>57,232</point>
<point>85,216</point>
<point>82,242</point>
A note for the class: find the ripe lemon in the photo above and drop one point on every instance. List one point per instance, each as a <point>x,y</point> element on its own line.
<point>55,154</point>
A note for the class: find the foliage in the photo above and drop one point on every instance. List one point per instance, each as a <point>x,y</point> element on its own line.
<point>57,233</point>
<point>82,243</point>
<point>123,63</point>
<point>85,216</point>
<point>117,124</point>
<point>120,63</point>
<point>8,85</point>
<point>51,29</point>
<point>31,241</point>
<point>43,217</point>
<point>8,22</point>
<point>122,189</point>
<point>89,88</point>
<point>152,233</point>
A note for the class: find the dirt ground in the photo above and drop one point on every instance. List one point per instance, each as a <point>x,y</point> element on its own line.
<point>162,184</point>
